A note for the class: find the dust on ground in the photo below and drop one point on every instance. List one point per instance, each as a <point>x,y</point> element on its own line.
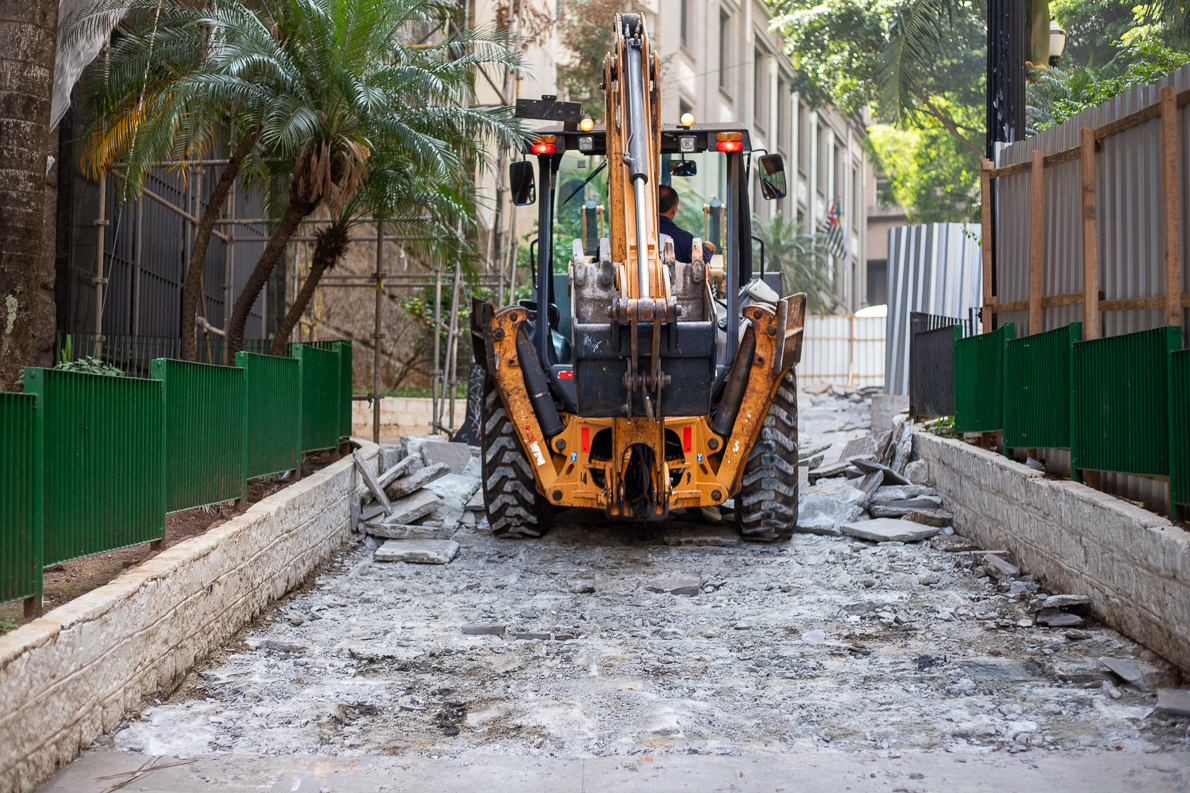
<point>914,652</point>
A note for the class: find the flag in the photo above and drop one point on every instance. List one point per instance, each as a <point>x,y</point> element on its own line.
<point>832,228</point>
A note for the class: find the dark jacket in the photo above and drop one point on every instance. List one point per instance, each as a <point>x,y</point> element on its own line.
<point>683,241</point>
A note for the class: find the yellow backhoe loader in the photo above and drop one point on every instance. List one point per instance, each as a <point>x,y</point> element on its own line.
<point>633,382</point>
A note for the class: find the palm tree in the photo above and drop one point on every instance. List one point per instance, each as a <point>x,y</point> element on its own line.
<point>356,82</point>
<point>28,73</point>
<point>803,258</point>
<point>160,97</point>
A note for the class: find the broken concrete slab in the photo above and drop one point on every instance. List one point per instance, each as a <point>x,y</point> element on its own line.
<point>410,508</point>
<point>402,531</point>
<point>901,492</point>
<point>839,490</point>
<point>1059,619</point>
<point>370,511</point>
<point>998,568</point>
<point>806,454</point>
<point>1064,601</point>
<point>389,456</point>
<point>858,447</point>
<point>406,466</point>
<point>869,484</point>
<point>903,507</point>
<point>828,471</point>
<point>1173,702</point>
<point>682,584</point>
<point>701,536</point>
<point>456,490</point>
<point>918,472</point>
<point>417,551</point>
<point>475,467</point>
<point>529,637</point>
<point>454,455</point>
<point>444,517</point>
<point>812,462</point>
<point>370,480</point>
<point>888,530</point>
<point>483,630</point>
<point>820,514</point>
<point>476,501</point>
<point>416,481</point>
<point>1125,671</point>
<point>930,517</point>
<point>821,387</point>
<point>953,543</point>
<point>890,476</point>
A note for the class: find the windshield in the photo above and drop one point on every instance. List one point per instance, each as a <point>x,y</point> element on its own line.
<point>580,211</point>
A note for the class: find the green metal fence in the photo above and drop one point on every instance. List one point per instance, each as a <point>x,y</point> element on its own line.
<point>979,380</point>
<point>103,441</point>
<point>20,499</point>
<point>321,386</point>
<point>1037,389</point>
<point>1179,428</point>
<point>346,371</point>
<point>272,412</point>
<point>133,354</point>
<point>204,433</point>
<point>1120,402</point>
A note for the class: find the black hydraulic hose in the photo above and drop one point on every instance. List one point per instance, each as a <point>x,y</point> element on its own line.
<point>536,383</point>
<point>737,384</point>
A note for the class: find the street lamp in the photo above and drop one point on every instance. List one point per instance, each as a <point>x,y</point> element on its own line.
<point>1057,42</point>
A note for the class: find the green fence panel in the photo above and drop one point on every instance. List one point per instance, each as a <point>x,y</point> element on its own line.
<point>1037,389</point>
<point>204,433</point>
<point>272,411</point>
<point>979,380</point>
<point>321,380</point>
<point>1179,427</point>
<point>20,498</point>
<point>1120,402</point>
<point>345,382</point>
<point>104,458</point>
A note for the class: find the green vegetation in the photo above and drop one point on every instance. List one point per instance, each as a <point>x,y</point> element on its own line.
<point>802,258</point>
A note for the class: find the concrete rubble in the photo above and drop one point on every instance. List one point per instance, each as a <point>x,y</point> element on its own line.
<point>430,489</point>
<point>677,638</point>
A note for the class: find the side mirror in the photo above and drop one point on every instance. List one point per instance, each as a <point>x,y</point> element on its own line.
<point>772,176</point>
<point>521,183</point>
<point>683,168</point>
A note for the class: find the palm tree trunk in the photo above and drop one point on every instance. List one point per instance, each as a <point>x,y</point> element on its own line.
<point>29,34</point>
<point>202,237</point>
<point>330,247</point>
<point>295,212</point>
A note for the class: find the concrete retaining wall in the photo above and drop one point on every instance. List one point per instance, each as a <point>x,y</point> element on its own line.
<point>70,676</point>
<point>1132,563</point>
<point>398,416</point>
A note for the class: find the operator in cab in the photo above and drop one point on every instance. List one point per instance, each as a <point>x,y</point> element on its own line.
<point>667,207</point>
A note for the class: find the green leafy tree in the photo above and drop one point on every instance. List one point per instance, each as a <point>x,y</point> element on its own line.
<point>802,258</point>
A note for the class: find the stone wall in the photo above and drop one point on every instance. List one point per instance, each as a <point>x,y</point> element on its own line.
<point>70,676</point>
<point>1132,563</point>
<point>400,416</point>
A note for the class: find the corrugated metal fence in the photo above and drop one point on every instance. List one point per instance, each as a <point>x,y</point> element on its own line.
<point>932,269</point>
<point>94,463</point>
<point>844,349</point>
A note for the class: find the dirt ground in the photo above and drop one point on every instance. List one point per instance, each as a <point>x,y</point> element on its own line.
<point>64,582</point>
<point>571,646</point>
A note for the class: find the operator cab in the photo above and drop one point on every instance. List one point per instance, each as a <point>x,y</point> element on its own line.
<point>706,164</point>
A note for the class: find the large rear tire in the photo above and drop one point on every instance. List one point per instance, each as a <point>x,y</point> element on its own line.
<point>514,507</point>
<point>766,506</point>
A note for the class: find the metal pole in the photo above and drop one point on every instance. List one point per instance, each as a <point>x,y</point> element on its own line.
<point>436,372</point>
<point>140,253</point>
<point>100,223</point>
<point>228,269</point>
<point>377,335</point>
<point>452,345</point>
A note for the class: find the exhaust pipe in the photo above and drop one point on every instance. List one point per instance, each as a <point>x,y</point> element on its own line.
<point>538,386</point>
<point>737,384</point>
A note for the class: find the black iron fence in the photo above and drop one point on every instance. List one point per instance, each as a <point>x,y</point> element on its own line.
<point>931,362</point>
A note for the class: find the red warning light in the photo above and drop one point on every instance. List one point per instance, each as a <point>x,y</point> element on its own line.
<point>687,439</point>
<point>586,439</point>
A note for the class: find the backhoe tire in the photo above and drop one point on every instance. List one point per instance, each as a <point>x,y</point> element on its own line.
<point>514,507</point>
<point>766,506</point>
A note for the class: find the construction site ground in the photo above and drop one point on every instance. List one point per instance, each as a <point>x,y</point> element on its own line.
<point>884,667</point>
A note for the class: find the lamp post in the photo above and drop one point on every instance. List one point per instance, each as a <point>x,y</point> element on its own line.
<point>1057,42</point>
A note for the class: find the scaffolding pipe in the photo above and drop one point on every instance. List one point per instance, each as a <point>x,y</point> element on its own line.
<point>100,224</point>
<point>436,372</point>
<point>377,335</point>
<point>452,345</point>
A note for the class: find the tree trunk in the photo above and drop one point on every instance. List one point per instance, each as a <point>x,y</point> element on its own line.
<point>202,237</point>
<point>328,249</point>
<point>29,37</point>
<point>295,212</point>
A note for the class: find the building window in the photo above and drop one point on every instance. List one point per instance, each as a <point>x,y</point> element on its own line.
<point>724,48</point>
<point>760,94</point>
<point>685,30</point>
<point>857,198</point>
<point>803,138</point>
<point>825,149</point>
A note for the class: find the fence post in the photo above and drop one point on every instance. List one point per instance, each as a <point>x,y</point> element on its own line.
<point>1090,241</point>
<point>1036,242</point>
<point>985,242</point>
<point>1169,184</point>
